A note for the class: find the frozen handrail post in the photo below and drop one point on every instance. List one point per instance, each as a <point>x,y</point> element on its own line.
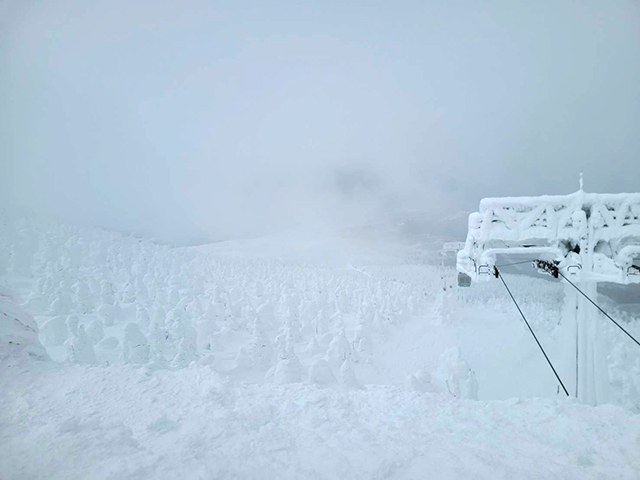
<point>590,237</point>
<point>449,248</point>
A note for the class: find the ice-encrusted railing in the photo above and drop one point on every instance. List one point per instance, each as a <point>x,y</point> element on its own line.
<point>598,232</point>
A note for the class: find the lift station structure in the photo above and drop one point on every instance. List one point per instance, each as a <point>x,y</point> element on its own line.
<point>589,238</point>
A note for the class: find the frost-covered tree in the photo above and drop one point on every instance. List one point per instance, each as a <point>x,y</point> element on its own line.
<point>194,308</point>
<point>452,372</point>
<point>158,315</point>
<point>95,331</point>
<point>174,296</point>
<point>187,351</point>
<point>157,338</point>
<point>108,343</point>
<point>260,347</point>
<point>289,369</point>
<point>313,347</point>
<point>293,327</point>
<point>420,381</point>
<point>72,325</point>
<point>54,331</point>
<point>206,327</point>
<point>106,314</point>
<point>83,297</point>
<point>141,292</point>
<point>363,345</point>
<point>62,303</point>
<point>129,293</point>
<point>347,377</point>
<point>175,324</point>
<point>38,300</point>
<point>266,316</point>
<point>320,373</point>
<point>142,317</point>
<point>80,349</point>
<point>243,360</point>
<point>107,293</point>
<point>470,386</point>
<point>94,287</point>
<point>135,346</point>
<point>338,350</point>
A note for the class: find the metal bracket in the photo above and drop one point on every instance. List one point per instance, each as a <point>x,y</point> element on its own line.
<point>546,267</point>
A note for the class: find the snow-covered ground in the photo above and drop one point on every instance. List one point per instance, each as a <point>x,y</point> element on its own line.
<point>293,356</point>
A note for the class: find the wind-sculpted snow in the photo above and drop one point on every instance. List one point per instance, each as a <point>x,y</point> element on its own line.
<point>287,358</point>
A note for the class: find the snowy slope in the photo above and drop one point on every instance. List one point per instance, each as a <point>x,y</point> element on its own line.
<point>289,357</point>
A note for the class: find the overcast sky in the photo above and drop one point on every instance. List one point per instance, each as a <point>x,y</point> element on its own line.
<point>198,120</point>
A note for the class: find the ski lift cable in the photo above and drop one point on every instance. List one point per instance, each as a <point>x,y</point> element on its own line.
<point>497,274</point>
<point>516,263</point>
<point>598,307</point>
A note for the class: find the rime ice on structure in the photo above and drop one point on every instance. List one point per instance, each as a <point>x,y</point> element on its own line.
<point>591,238</point>
<point>602,230</point>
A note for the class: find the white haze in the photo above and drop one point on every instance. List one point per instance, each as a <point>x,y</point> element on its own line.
<point>194,121</point>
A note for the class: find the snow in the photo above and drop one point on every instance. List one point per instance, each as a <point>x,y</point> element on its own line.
<point>129,423</point>
<point>285,357</point>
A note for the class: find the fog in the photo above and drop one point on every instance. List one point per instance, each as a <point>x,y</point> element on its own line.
<point>195,121</point>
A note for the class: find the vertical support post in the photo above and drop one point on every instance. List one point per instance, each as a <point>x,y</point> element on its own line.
<point>584,362</point>
<point>569,344</point>
<point>585,365</point>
